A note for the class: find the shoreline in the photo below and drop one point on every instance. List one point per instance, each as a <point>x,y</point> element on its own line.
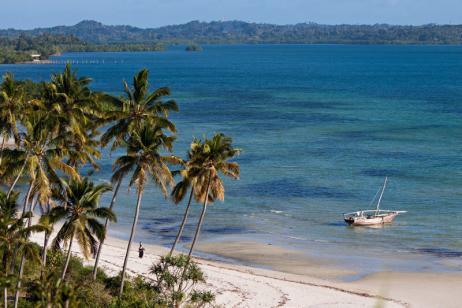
<point>291,282</point>
<point>243,286</point>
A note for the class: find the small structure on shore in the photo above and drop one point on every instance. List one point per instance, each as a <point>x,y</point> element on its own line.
<point>35,57</point>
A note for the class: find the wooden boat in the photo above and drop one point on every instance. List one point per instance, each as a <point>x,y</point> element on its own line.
<point>372,217</point>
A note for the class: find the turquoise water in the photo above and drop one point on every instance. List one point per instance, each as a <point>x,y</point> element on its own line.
<point>320,126</point>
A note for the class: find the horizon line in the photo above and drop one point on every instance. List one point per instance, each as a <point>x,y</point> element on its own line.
<point>237,20</point>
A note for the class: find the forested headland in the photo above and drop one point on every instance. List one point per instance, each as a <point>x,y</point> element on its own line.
<point>17,45</point>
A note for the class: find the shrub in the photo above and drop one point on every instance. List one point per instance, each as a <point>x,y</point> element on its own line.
<point>175,282</point>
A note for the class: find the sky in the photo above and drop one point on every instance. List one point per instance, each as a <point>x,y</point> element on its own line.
<point>27,14</point>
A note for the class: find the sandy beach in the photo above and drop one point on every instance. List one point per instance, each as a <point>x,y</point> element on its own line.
<point>293,283</point>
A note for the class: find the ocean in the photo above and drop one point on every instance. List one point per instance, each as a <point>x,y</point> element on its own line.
<point>320,126</point>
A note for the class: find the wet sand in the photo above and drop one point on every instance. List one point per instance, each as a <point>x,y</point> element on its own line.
<point>429,289</point>
<point>275,258</point>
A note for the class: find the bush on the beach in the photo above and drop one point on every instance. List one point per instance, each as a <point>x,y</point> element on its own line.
<point>175,282</point>
<point>80,290</point>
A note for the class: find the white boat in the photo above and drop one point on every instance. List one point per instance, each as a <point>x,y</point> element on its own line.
<point>372,217</point>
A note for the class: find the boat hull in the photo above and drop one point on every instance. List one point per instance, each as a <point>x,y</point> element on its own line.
<point>374,220</point>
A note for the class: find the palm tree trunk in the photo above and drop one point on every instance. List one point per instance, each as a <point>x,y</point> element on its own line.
<point>23,257</point>
<point>201,219</point>
<point>198,229</point>
<point>63,275</point>
<point>132,234</point>
<point>45,244</point>
<point>5,267</point>
<point>183,223</point>
<point>18,284</point>
<point>26,199</point>
<point>106,224</point>
<point>1,149</point>
<point>18,176</point>
<point>44,252</point>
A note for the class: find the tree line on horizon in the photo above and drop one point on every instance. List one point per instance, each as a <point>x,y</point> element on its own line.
<point>20,49</point>
<point>56,128</point>
<point>239,32</point>
<point>16,46</point>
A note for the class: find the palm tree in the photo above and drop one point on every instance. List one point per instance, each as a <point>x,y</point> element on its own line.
<point>75,114</point>
<point>41,159</point>
<point>48,221</point>
<point>138,107</point>
<point>11,104</point>
<point>181,188</point>
<point>206,166</point>
<point>39,155</point>
<point>80,212</point>
<point>144,159</point>
<point>14,234</point>
<point>130,114</point>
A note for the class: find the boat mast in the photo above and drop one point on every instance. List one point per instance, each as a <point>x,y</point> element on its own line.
<point>381,194</point>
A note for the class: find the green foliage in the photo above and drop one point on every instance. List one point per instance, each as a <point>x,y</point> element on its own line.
<point>238,32</point>
<point>193,47</point>
<point>55,126</point>
<point>175,279</point>
<point>17,45</point>
<point>19,49</point>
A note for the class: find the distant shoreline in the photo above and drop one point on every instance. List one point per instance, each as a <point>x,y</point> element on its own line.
<point>215,32</point>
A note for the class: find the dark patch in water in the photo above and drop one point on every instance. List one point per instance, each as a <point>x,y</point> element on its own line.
<point>358,136</point>
<point>336,224</point>
<point>164,220</point>
<point>441,252</point>
<point>399,155</point>
<point>382,172</point>
<point>290,188</point>
<point>377,135</point>
<point>227,230</point>
<point>246,158</point>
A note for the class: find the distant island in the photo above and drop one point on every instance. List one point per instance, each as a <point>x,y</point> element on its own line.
<point>19,45</point>
<point>193,47</point>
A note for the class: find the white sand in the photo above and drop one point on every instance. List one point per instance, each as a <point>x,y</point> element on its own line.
<point>240,286</point>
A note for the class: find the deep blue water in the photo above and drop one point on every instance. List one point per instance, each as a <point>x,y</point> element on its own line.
<point>320,126</point>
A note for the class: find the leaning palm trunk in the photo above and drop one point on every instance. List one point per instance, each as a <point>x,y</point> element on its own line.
<point>106,224</point>
<point>201,219</point>
<point>44,252</point>
<point>198,229</point>
<point>23,257</point>
<point>18,284</point>
<point>45,245</point>
<point>132,234</point>
<point>1,149</point>
<point>29,191</point>
<point>183,223</point>
<point>18,176</point>
<point>63,275</point>
<point>5,268</point>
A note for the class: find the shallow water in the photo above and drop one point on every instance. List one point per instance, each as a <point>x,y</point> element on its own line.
<point>320,126</point>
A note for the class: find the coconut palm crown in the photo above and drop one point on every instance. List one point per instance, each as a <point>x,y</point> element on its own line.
<point>137,108</point>
<point>79,210</point>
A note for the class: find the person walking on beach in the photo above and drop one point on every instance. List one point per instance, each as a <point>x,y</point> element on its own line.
<point>141,251</point>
